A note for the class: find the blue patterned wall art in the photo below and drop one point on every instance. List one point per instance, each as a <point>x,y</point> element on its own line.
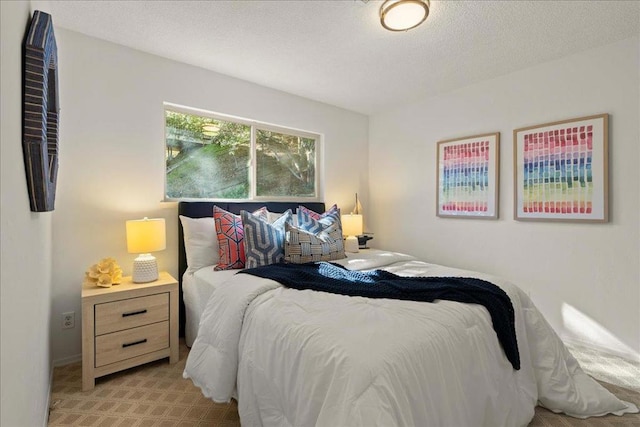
<point>40,112</point>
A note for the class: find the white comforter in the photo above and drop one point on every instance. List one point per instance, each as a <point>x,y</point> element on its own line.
<point>305,358</point>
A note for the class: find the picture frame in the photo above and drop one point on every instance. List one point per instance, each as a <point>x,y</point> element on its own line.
<point>561,170</point>
<point>467,177</point>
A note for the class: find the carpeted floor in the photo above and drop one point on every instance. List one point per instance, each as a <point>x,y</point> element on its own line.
<point>156,395</point>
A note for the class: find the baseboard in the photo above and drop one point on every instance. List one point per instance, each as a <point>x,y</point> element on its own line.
<point>67,360</point>
<point>625,354</point>
<point>55,363</point>
<point>49,390</point>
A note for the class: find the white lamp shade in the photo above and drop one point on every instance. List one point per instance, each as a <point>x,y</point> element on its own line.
<point>146,235</point>
<point>352,225</point>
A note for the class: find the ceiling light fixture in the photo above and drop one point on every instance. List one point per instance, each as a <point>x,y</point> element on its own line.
<point>403,15</point>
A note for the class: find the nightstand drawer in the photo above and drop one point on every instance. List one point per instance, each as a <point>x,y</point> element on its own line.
<point>123,345</point>
<point>130,313</point>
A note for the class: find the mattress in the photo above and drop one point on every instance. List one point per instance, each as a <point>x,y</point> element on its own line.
<point>313,358</point>
<point>197,288</point>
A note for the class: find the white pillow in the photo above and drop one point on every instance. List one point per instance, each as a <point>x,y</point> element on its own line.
<point>200,242</point>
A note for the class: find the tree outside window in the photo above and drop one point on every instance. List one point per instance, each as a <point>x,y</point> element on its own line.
<point>211,158</point>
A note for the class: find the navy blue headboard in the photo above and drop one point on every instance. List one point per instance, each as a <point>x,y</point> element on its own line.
<point>205,209</point>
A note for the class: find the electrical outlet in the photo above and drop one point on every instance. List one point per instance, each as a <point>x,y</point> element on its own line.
<point>69,320</point>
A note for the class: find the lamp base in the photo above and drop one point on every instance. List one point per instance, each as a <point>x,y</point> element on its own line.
<point>145,269</point>
<point>351,244</point>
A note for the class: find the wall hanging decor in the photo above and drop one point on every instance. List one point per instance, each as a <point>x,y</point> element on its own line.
<point>561,170</point>
<point>467,177</point>
<point>40,112</point>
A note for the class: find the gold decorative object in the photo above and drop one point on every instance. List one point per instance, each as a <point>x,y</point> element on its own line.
<point>105,273</point>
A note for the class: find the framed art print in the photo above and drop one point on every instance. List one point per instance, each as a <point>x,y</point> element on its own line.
<point>561,170</point>
<point>467,177</point>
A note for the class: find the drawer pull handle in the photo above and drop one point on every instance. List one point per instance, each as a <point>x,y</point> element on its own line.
<point>134,343</point>
<point>133,313</point>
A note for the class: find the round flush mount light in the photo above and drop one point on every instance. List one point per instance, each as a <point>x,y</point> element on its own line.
<point>403,15</point>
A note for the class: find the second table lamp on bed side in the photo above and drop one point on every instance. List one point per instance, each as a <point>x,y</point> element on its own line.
<point>353,229</point>
<point>352,226</point>
<point>143,237</point>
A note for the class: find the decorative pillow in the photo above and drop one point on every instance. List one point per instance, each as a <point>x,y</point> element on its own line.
<point>302,246</point>
<point>200,242</point>
<point>263,242</point>
<point>230,237</point>
<point>313,222</point>
<point>273,216</point>
<point>315,215</point>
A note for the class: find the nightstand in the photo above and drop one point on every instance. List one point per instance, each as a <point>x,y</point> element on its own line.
<point>127,325</point>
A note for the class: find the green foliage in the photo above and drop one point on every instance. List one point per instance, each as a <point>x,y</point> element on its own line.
<point>188,131</point>
<point>209,158</point>
<point>191,125</point>
<point>286,164</point>
<point>211,171</point>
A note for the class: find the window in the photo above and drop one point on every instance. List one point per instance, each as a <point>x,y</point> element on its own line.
<point>210,156</point>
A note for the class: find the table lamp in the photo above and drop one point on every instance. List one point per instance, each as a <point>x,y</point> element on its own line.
<point>352,226</point>
<point>143,237</point>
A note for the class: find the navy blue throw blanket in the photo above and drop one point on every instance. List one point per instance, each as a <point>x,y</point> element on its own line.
<point>334,278</point>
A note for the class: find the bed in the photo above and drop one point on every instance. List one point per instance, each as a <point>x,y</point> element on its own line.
<point>196,284</point>
<point>298,358</point>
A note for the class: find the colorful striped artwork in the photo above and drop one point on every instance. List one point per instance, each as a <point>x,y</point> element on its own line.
<point>561,170</point>
<point>557,171</point>
<point>467,177</point>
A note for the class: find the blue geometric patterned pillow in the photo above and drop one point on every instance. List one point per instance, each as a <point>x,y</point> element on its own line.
<point>315,215</point>
<point>263,242</point>
<point>314,223</point>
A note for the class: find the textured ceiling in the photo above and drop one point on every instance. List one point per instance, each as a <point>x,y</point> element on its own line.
<point>337,52</point>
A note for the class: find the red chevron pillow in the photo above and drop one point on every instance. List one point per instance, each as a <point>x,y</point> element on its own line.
<point>230,235</point>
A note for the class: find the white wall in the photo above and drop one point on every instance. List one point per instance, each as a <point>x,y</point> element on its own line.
<point>112,148</point>
<point>584,277</point>
<point>25,254</point>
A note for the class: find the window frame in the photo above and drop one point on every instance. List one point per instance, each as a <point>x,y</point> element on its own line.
<point>254,125</point>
